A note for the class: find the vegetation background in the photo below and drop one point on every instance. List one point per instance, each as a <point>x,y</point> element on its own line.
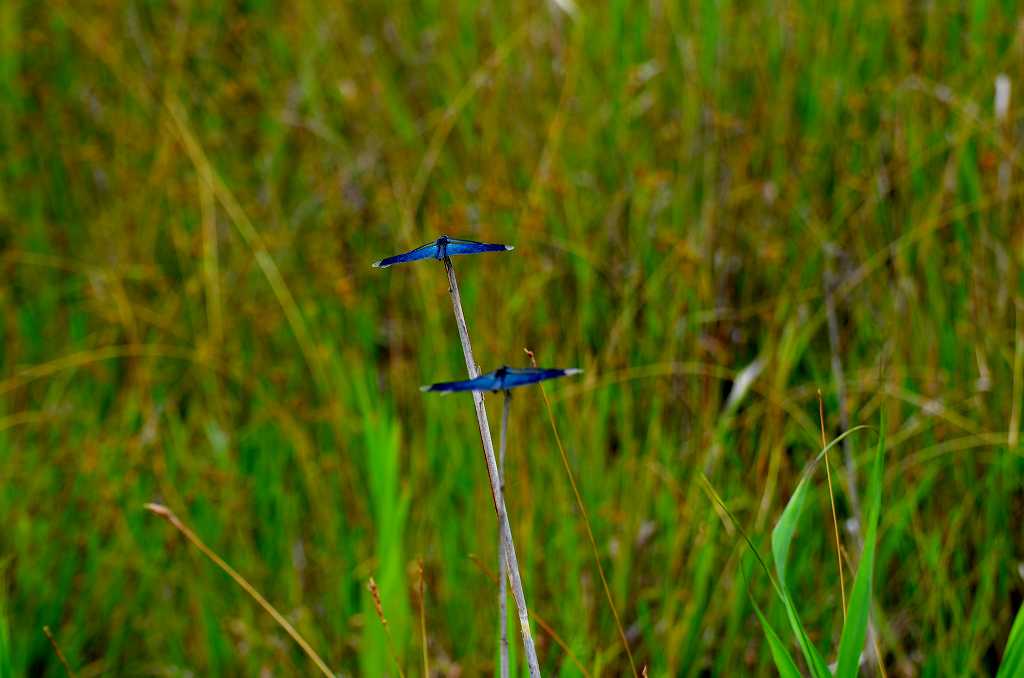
<point>191,195</point>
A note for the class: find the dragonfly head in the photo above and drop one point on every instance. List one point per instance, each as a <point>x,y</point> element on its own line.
<point>499,376</point>
<point>442,247</point>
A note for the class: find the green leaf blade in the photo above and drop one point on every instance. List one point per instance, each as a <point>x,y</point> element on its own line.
<point>855,629</point>
<point>782,538</point>
<point>782,535</point>
<point>1013,656</point>
<point>780,655</point>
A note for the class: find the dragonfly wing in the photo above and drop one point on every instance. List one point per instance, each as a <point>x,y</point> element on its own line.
<point>485,382</point>
<point>522,377</point>
<point>428,251</point>
<point>470,247</point>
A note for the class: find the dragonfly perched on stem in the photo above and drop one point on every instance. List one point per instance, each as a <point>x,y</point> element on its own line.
<point>502,379</point>
<point>440,249</point>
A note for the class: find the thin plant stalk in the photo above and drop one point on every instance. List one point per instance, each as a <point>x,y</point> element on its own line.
<point>832,502</point>
<point>60,655</point>
<point>831,283</point>
<point>514,578</point>
<point>169,515</point>
<point>375,592</point>
<point>586,523</point>
<point>502,565</point>
<point>423,620</point>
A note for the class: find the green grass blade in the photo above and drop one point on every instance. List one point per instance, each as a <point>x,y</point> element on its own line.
<point>780,655</point>
<point>712,493</point>
<point>1013,657</point>
<point>782,537</point>
<point>855,629</point>
<point>813,658</point>
<point>811,654</point>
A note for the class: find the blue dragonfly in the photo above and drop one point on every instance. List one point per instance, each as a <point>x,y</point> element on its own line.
<point>503,379</point>
<point>440,249</point>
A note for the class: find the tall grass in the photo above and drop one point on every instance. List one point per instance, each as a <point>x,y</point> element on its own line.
<point>682,175</point>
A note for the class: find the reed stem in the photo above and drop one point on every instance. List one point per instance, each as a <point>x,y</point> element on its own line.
<point>502,564</point>
<point>514,578</point>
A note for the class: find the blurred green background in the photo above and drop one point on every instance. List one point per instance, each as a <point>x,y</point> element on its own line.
<point>191,195</point>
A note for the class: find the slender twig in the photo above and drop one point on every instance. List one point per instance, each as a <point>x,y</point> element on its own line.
<point>168,515</point>
<point>515,580</point>
<point>60,655</point>
<point>832,502</point>
<point>379,606</point>
<point>586,521</point>
<point>423,620</point>
<point>502,564</point>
